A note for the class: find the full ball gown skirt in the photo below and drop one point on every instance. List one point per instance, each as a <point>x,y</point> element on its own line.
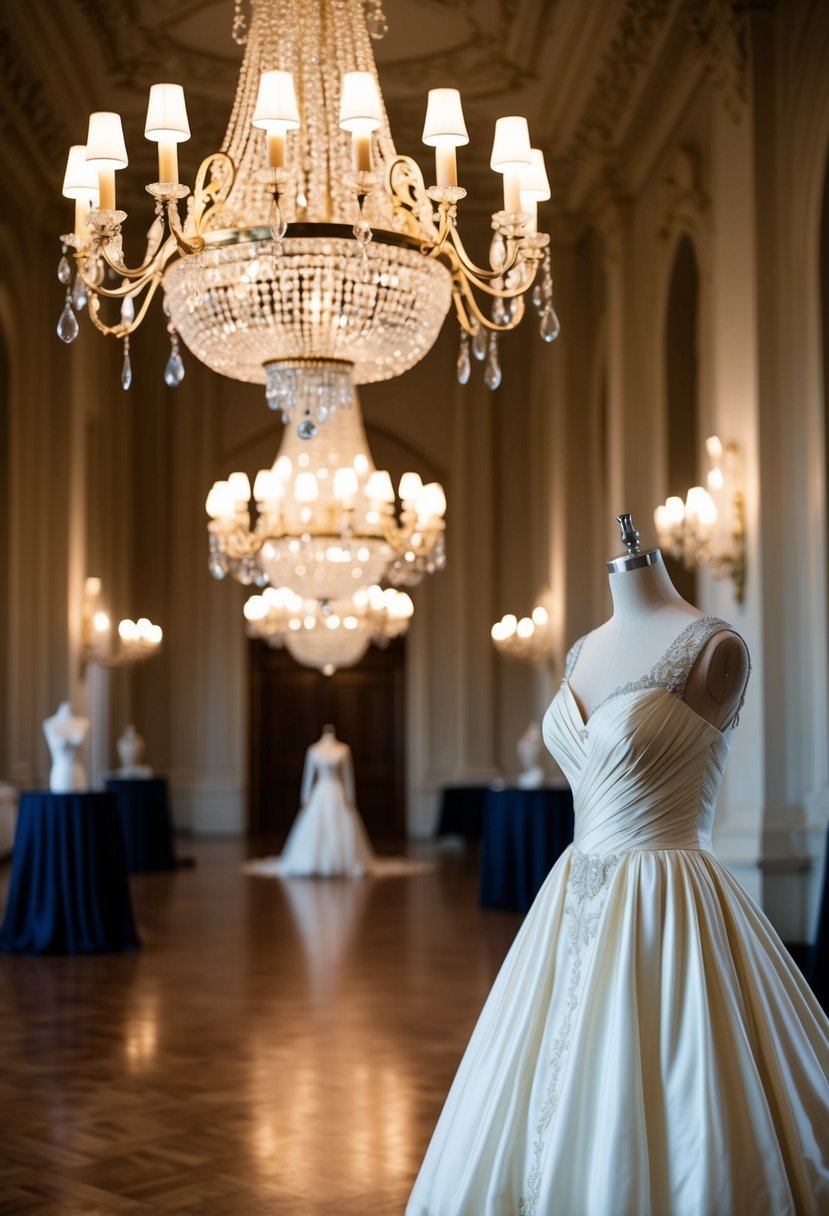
<point>648,1048</point>
<point>326,838</point>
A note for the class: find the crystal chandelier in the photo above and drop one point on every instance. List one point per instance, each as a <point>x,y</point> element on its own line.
<point>308,248</point>
<point>332,635</point>
<point>326,523</point>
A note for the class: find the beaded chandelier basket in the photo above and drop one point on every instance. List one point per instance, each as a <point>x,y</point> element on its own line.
<point>328,636</point>
<point>325,518</point>
<point>299,247</point>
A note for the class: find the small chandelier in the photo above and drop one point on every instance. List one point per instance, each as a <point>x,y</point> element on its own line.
<point>708,528</point>
<point>528,639</point>
<point>137,640</point>
<point>307,244</point>
<point>330,635</point>
<point>325,518</point>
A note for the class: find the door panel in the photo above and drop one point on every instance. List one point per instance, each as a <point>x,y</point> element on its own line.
<point>290,704</point>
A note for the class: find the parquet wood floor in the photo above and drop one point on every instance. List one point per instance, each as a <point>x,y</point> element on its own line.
<point>276,1049</point>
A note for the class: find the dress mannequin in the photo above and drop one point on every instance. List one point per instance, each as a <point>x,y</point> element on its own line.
<point>66,734</point>
<point>648,614</point>
<point>130,752</point>
<point>647,1015</point>
<point>328,837</point>
<point>328,751</point>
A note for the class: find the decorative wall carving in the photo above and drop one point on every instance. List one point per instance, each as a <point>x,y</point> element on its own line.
<point>719,36</point>
<point>684,201</point>
<point>625,62</point>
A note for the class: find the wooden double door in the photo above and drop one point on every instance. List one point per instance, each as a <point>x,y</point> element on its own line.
<point>290,704</point>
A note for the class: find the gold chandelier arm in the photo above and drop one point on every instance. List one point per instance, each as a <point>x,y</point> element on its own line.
<point>184,244</point>
<point>466,306</point>
<point>412,205</point>
<point>138,275</point>
<point>479,273</point>
<point>120,330</point>
<point>210,192</point>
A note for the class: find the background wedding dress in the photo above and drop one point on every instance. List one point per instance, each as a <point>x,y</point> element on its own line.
<point>327,837</point>
<point>648,1048</point>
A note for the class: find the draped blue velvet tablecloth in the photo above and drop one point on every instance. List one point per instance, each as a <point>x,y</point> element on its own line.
<point>144,809</point>
<point>462,811</point>
<point>819,956</point>
<point>525,833</point>
<point>69,890</point>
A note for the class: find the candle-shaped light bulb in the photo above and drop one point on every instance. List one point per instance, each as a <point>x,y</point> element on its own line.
<point>361,112</point>
<point>106,152</point>
<point>80,182</point>
<point>276,112</point>
<point>511,156</point>
<point>445,130</point>
<point>535,187</point>
<point>167,125</point>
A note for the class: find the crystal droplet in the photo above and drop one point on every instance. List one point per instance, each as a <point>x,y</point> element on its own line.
<point>278,225</point>
<point>362,231</point>
<point>174,371</point>
<point>127,311</point>
<point>497,252</point>
<point>64,271</point>
<point>537,296</point>
<point>307,428</point>
<point>492,371</point>
<point>479,341</point>
<point>126,372</point>
<point>500,313</point>
<point>376,24</point>
<point>550,326</point>
<point>68,324</point>
<point>464,362</point>
<point>79,293</point>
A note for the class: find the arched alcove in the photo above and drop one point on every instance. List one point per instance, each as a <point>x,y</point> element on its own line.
<point>682,390</point>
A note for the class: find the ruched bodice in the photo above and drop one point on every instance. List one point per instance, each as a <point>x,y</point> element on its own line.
<point>649,1048</point>
<point>645,770</point>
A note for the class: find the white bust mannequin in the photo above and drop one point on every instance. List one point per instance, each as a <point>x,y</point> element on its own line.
<point>66,734</point>
<point>648,615</point>
<point>130,752</point>
<point>529,754</point>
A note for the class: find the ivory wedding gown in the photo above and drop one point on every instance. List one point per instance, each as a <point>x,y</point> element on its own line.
<point>648,1048</point>
<point>327,837</point>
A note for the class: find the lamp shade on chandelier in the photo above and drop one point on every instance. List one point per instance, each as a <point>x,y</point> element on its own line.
<point>309,254</point>
<point>326,523</point>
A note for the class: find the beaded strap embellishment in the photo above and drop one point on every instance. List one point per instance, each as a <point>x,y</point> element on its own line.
<point>672,670</point>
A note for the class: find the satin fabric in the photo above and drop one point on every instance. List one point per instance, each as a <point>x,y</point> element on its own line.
<point>648,1048</point>
<point>327,837</point>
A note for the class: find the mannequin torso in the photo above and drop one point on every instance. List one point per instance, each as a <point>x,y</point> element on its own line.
<point>330,758</point>
<point>65,735</point>
<point>648,616</point>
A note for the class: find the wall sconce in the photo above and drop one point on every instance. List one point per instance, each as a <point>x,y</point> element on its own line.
<point>529,639</point>
<point>136,639</point>
<point>708,529</point>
